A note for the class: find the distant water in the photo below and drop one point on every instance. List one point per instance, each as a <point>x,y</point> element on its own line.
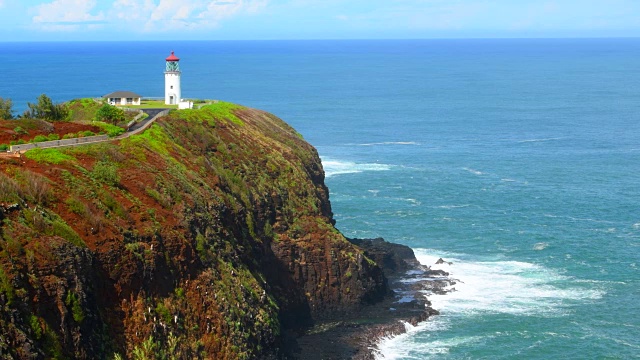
<point>517,160</point>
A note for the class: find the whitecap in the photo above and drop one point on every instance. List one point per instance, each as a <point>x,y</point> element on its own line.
<point>390,143</point>
<point>453,206</point>
<point>336,167</point>
<point>539,140</point>
<point>540,246</point>
<point>499,286</point>
<point>473,171</point>
<point>487,285</point>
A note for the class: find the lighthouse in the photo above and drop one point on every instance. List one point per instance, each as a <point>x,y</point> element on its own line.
<point>172,91</point>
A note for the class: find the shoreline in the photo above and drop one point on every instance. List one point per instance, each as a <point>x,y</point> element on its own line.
<point>357,335</point>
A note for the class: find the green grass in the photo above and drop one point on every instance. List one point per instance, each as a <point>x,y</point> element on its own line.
<point>82,109</point>
<point>219,111</point>
<point>110,129</point>
<point>60,228</point>
<point>50,156</point>
<point>152,104</point>
<point>155,137</point>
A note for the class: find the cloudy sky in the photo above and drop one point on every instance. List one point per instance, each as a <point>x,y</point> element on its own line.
<point>314,19</point>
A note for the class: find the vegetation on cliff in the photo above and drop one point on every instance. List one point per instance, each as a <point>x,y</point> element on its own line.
<point>199,238</point>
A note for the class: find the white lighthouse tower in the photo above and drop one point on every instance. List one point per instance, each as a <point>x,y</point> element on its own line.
<point>172,91</point>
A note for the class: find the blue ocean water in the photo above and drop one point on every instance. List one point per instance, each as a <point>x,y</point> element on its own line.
<point>517,160</point>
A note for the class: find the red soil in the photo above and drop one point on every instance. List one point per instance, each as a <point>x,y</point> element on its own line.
<point>8,134</point>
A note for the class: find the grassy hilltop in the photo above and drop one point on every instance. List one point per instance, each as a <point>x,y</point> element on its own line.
<point>202,237</point>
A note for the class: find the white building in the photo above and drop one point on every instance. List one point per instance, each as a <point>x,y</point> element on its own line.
<point>123,98</point>
<point>172,91</point>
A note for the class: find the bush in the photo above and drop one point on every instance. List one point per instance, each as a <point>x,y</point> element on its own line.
<point>6,111</point>
<point>45,109</point>
<point>20,131</point>
<point>106,173</point>
<point>110,129</point>
<point>36,188</point>
<point>4,147</point>
<point>8,189</point>
<point>110,114</point>
<point>53,137</point>
<point>39,138</point>
<point>66,232</point>
<point>36,328</point>
<point>76,309</point>
<point>6,287</point>
<point>78,207</point>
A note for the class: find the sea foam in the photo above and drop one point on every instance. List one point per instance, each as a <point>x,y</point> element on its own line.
<point>486,286</point>
<point>336,167</point>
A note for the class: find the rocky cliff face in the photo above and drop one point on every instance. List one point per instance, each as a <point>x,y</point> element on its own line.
<point>203,237</point>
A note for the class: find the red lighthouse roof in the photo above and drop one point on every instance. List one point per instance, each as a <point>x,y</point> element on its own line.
<point>172,57</point>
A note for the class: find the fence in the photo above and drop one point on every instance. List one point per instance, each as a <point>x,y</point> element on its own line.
<point>88,139</point>
<point>56,143</point>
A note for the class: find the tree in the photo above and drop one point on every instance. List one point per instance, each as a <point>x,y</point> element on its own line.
<point>110,114</point>
<point>45,109</point>
<point>6,111</point>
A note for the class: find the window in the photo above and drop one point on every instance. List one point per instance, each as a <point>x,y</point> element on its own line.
<point>129,101</point>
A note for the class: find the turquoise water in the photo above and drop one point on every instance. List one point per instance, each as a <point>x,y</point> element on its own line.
<point>517,160</point>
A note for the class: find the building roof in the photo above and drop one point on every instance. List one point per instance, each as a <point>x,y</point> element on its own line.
<point>172,57</point>
<point>122,94</point>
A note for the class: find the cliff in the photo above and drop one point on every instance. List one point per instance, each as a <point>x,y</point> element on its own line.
<point>203,237</point>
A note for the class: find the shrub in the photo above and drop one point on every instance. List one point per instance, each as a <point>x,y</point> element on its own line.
<point>36,188</point>
<point>39,138</point>
<point>6,111</point>
<point>66,232</point>
<point>20,131</point>
<point>8,189</point>
<point>110,114</point>
<point>109,129</point>
<point>106,172</point>
<point>78,207</point>
<point>76,309</point>
<point>53,137</point>
<point>6,287</point>
<point>4,147</point>
<point>36,328</point>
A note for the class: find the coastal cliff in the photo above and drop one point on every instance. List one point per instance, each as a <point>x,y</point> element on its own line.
<point>205,236</point>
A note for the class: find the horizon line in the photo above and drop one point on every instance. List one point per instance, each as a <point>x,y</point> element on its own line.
<point>332,39</point>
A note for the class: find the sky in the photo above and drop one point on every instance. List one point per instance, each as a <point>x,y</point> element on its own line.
<point>115,20</point>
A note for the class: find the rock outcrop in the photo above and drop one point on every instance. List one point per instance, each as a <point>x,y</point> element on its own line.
<point>205,236</point>
<point>356,335</point>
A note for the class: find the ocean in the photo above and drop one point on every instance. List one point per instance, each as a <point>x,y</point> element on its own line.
<point>518,160</point>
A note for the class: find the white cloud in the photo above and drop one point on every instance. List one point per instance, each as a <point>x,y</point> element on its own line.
<point>168,15</point>
<point>132,10</point>
<point>67,15</point>
<point>140,15</point>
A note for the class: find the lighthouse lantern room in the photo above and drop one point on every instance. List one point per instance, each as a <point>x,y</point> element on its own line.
<point>172,91</point>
